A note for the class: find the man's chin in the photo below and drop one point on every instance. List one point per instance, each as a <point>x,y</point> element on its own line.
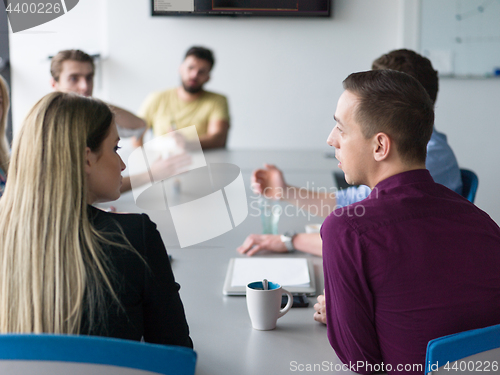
<point>349,180</point>
<point>192,89</point>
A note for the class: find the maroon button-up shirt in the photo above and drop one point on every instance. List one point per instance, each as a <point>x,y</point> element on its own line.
<point>412,262</point>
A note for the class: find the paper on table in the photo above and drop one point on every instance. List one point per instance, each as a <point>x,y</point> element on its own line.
<point>286,272</point>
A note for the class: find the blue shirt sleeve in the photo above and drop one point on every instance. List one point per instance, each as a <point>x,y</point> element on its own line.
<point>442,163</point>
<point>352,195</point>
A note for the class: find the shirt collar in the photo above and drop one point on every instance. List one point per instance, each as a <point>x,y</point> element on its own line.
<point>405,178</point>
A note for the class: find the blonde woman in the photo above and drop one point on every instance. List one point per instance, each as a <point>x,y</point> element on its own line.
<point>65,266</point>
<point>4,148</point>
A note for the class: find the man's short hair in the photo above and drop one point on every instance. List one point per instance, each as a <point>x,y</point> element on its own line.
<point>69,54</point>
<point>201,53</point>
<point>410,62</point>
<point>396,104</point>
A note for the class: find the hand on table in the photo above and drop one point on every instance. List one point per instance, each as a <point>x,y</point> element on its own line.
<point>320,307</point>
<point>269,182</point>
<point>258,242</point>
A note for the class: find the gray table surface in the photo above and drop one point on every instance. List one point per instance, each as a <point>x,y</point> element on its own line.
<point>288,160</point>
<point>220,326</point>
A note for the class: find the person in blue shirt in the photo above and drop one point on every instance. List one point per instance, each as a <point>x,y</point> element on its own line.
<point>441,163</point>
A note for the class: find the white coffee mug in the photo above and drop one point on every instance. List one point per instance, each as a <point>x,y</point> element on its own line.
<point>264,306</point>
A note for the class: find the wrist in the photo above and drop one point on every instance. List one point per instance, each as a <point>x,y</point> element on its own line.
<point>287,239</point>
<point>285,190</point>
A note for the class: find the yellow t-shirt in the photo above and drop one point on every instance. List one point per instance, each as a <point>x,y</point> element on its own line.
<point>161,109</point>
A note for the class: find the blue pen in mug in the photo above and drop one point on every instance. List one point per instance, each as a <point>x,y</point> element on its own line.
<point>264,304</point>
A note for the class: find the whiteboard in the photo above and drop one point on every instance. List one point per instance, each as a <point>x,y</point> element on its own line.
<point>461,37</point>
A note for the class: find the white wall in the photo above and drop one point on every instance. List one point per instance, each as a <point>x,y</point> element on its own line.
<point>468,111</point>
<point>282,76</point>
<point>83,27</point>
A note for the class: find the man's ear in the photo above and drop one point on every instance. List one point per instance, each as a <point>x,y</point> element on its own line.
<point>54,84</point>
<point>382,146</point>
<point>90,159</point>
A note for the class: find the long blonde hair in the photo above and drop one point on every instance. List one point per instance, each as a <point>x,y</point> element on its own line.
<point>4,148</point>
<point>52,266</point>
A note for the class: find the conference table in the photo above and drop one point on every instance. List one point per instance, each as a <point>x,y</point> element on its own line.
<point>220,325</point>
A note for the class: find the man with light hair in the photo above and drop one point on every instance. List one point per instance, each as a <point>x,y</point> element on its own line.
<point>73,71</point>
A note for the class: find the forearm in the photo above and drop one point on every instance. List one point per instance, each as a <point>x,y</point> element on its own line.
<point>126,119</point>
<point>216,140</point>
<point>216,135</point>
<point>308,243</point>
<point>319,203</point>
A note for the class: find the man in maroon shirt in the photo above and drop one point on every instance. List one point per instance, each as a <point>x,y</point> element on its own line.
<point>414,261</point>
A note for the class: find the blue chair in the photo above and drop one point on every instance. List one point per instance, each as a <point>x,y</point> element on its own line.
<point>465,352</point>
<point>72,354</point>
<point>469,184</point>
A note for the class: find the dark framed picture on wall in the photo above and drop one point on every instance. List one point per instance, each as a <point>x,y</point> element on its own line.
<point>245,8</point>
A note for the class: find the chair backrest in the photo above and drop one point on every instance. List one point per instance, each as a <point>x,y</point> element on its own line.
<point>71,354</point>
<point>470,183</point>
<point>465,352</point>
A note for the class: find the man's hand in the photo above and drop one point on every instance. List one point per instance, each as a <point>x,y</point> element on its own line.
<point>165,168</point>
<point>258,242</point>
<point>320,307</point>
<point>180,139</point>
<point>269,182</point>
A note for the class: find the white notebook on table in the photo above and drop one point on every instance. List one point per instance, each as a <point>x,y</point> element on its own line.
<point>294,274</point>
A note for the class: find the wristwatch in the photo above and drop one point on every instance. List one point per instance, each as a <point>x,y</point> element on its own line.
<point>287,239</point>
